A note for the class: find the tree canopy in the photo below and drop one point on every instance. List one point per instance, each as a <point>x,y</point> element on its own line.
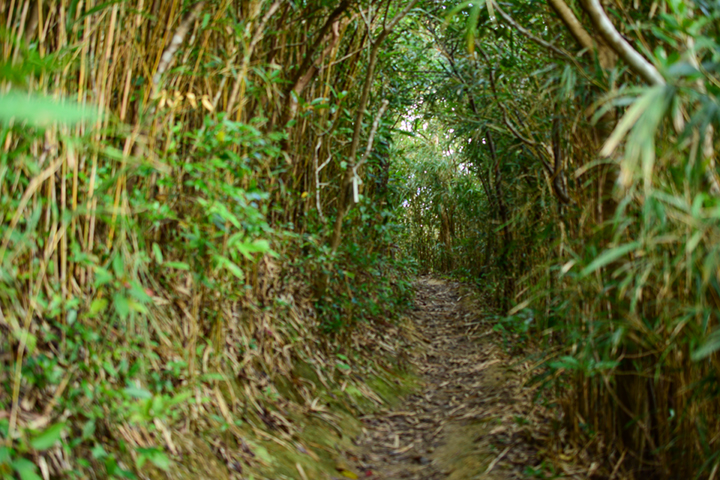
<point>210,207</point>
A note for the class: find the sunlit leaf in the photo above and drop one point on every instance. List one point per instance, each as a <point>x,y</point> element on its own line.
<point>158,252</point>
<point>26,469</point>
<point>710,346</point>
<point>41,111</point>
<point>48,437</point>
<point>98,305</point>
<point>609,256</point>
<point>177,265</point>
<point>629,119</point>
<point>137,392</point>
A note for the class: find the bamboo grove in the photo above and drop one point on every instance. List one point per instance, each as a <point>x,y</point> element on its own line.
<point>208,206</point>
<point>181,189</point>
<point>582,140</point>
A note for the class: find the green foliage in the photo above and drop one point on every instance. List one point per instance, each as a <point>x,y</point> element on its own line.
<point>516,330</point>
<point>606,260</point>
<point>165,248</point>
<point>230,226</point>
<point>442,205</point>
<point>38,111</point>
<point>364,284</point>
<point>108,381</point>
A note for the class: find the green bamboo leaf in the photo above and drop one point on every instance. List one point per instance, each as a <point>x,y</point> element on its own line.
<point>230,266</point>
<point>180,397</point>
<point>138,293</point>
<point>609,256</point>
<point>256,246</point>
<point>711,345</point>
<point>26,469</point>
<point>158,253</point>
<point>160,460</point>
<point>630,118</point>
<point>606,365</point>
<point>220,209</point>
<point>47,438</point>
<point>41,111</point>
<point>694,241</point>
<point>102,277</point>
<point>491,10</point>
<point>137,392</point>
<point>457,9</point>
<point>4,456</point>
<point>178,265</point>
<point>122,307</point>
<point>566,363</point>
<point>98,305</point>
<point>472,27</point>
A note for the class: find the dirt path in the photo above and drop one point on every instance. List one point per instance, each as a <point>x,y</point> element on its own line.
<point>472,419</point>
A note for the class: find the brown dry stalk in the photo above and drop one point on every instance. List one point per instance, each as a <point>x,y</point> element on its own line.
<point>619,45</point>
<point>175,43</point>
<point>33,187</point>
<point>359,115</point>
<point>238,90</point>
<point>17,375</point>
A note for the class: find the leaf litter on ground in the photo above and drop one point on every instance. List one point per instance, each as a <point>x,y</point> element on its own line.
<point>474,417</point>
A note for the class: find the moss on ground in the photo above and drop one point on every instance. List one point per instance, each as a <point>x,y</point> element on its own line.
<point>325,436</point>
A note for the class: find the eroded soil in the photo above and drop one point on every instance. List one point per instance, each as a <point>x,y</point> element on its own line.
<point>472,419</point>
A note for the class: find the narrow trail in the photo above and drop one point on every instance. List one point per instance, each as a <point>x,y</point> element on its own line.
<point>472,418</point>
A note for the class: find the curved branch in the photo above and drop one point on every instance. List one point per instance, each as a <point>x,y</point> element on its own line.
<point>344,204</point>
<point>506,118</point>
<point>511,21</point>
<point>619,45</point>
<point>572,23</point>
<point>310,54</point>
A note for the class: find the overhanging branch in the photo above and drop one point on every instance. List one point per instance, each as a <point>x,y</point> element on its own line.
<point>619,45</point>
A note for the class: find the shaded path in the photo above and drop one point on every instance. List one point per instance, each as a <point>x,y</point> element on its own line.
<point>471,420</point>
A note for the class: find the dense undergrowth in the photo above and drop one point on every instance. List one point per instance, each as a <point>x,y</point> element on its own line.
<point>212,211</point>
<point>171,304</point>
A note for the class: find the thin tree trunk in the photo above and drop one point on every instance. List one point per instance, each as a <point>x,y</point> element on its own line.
<point>344,203</point>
